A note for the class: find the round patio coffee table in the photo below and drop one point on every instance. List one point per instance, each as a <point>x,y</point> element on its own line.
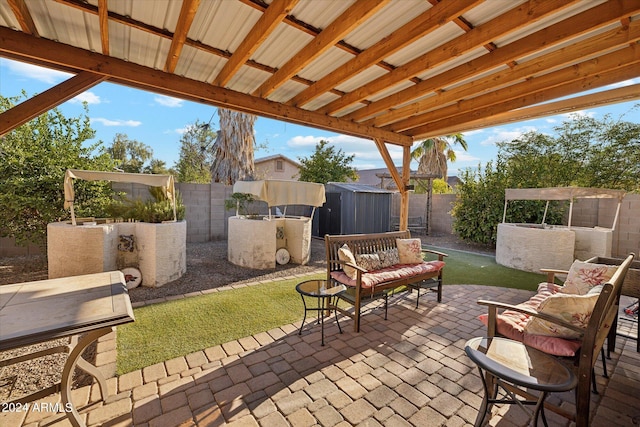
<point>324,298</point>
<point>506,362</point>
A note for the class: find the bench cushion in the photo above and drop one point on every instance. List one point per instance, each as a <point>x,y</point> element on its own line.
<point>396,272</point>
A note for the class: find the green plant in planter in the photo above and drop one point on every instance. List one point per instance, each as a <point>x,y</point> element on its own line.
<point>241,203</point>
<point>155,210</point>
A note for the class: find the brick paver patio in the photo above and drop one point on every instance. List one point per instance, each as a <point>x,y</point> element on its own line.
<point>410,370</point>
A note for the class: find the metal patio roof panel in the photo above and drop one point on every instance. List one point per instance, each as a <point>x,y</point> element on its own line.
<point>320,13</point>
<point>386,21</point>
<point>436,38</point>
<point>281,46</point>
<point>223,24</point>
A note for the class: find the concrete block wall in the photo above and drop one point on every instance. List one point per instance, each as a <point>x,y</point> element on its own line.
<point>441,219</point>
<point>207,217</point>
<point>8,248</point>
<point>626,238</point>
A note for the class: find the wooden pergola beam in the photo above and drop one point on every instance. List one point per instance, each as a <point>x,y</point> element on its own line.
<point>267,23</point>
<point>429,21</point>
<point>187,14</point>
<point>506,23</point>
<point>601,79</point>
<point>51,98</point>
<point>103,16</point>
<point>57,55</point>
<point>22,14</point>
<point>586,70</point>
<point>572,27</point>
<point>405,117</point>
<point>611,96</point>
<point>349,19</point>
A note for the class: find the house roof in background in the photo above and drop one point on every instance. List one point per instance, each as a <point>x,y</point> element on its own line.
<point>275,157</point>
<point>395,71</point>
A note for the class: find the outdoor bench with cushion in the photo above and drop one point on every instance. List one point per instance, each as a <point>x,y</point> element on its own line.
<point>572,320</point>
<point>370,265</point>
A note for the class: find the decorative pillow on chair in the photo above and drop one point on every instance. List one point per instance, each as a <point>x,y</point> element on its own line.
<point>409,251</point>
<point>368,261</point>
<point>584,275</point>
<point>345,254</point>
<point>389,257</point>
<point>575,309</point>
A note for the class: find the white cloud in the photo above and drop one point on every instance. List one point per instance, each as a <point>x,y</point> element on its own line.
<point>38,73</point>
<point>463,156</point>
<point>88,97</point>
<point>506,134</point>
<point>362,149</point>
<point>108,122</point>
<point>579,113</point>
<point>168,101</point>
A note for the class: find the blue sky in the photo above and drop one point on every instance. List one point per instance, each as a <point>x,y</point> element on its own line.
<point>159,121</point>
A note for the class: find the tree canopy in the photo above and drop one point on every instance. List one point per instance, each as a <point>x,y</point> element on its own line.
<point>196,156</point>
<point>583,152</point>
<point>130,155</point>
<point>327,164</point>
<point>33,160</point>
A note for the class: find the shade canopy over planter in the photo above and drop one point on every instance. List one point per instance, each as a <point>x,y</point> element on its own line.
<point>282,192</point>
<point>276,192</point>
<point>562,193</point>
<point>152,180</point>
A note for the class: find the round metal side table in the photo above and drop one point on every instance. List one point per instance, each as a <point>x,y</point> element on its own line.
<point>506,362</point>
<point>324,296</point>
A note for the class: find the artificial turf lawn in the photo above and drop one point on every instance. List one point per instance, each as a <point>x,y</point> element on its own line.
<point>176,328</point>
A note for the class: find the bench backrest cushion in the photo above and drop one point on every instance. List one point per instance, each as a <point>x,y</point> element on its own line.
<point>345,254</point>
<point>360,244</point>
<point>409,251</point>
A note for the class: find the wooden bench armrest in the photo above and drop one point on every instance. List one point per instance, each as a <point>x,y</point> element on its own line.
<point>551,273</point>
<point>441,255</point>
<point>494,305</point>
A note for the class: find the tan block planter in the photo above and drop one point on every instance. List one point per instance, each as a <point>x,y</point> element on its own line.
<point>253,243</point>
<point>530,248</point>
<point>160,250</point>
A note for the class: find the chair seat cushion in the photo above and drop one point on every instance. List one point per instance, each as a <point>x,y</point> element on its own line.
<point>388,274</point>
<point>511,324</point>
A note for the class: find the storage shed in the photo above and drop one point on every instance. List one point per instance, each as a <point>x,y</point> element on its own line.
<point>354,208</point>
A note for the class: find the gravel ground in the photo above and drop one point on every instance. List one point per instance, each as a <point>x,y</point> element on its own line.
<point>207,268</point>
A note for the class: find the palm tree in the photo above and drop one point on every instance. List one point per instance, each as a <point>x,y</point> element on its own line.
<point>433,154</point>
<point>233,148</point>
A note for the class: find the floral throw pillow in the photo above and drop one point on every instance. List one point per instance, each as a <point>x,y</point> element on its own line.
<point>369,262</point>
<point>575,309</point>
<point>584,275</point>
<point>409,251</point>
<point>388,257</point>
<point>345,254</point>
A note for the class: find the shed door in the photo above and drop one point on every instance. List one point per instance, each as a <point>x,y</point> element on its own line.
<point>329,215</point>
